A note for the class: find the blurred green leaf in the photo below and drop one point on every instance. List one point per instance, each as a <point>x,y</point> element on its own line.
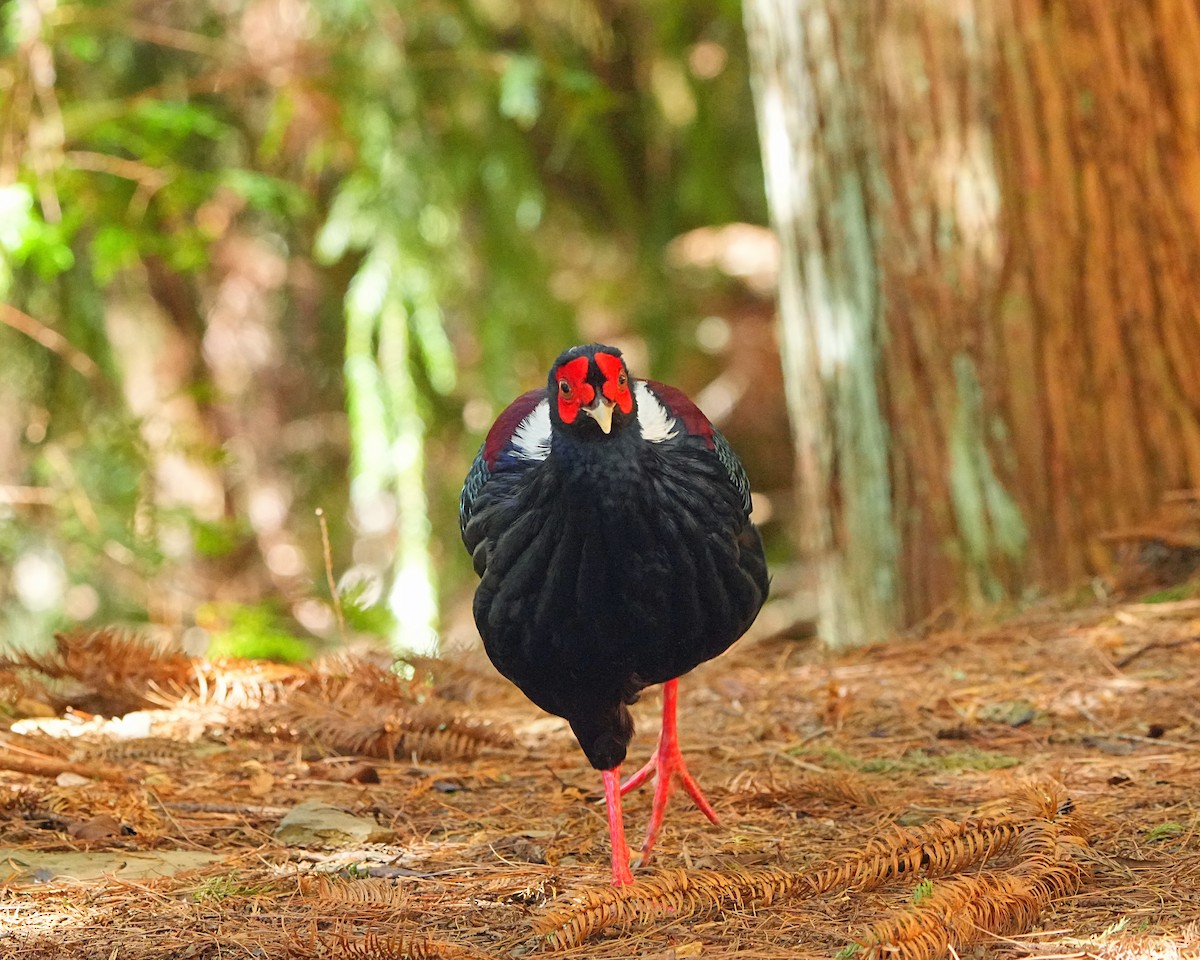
<point>219,538</point>
<point>254,633</point>
<point>267,193</point>
<point>114,248</point>
<point>520,98</point>
<point>365,616</point>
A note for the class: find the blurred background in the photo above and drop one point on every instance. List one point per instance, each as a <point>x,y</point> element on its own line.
<point>262,259</point>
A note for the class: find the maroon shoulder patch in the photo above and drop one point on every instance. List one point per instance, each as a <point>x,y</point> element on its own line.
<point>681,407</point>
<point>506,424</point>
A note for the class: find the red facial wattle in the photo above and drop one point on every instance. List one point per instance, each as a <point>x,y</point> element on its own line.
<point>574,392</point>
<point>616,381</point>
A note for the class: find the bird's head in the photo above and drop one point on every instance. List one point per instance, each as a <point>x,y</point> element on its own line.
<point>591,392</point>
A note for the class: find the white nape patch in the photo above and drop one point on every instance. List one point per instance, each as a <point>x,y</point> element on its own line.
<point>656,422</point>
<point>532,436</point>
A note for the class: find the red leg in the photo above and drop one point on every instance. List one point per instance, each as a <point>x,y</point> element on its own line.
<point>666,763</point>
<point>616,827</point>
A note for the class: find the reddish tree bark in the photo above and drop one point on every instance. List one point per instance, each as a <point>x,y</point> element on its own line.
<point>990,216</point>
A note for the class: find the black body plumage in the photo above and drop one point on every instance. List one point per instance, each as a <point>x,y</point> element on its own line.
<point>609,561</point>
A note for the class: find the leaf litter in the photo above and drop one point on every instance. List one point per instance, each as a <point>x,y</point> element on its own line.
<point>1028,788</point>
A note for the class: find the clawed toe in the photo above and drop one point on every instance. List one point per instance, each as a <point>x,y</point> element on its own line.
<point>667,766</point>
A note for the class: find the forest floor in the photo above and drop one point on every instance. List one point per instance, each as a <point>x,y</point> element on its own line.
<point>1029,788</point>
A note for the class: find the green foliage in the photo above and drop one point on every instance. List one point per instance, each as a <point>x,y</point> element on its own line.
<point>1182,591</point>
<point>393,210</point>
<point>362,615</point>
<point>26,239</point>
<point>520,97</point>
<point>218,538</point>
<point>113,248</point>
<point>216,889</point>
<point>922,891</point>
<point>252,633</point>
<point>1164,831</point>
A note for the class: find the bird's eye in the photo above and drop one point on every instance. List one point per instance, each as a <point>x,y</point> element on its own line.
<point>622,380</point>
<point>564,388</point>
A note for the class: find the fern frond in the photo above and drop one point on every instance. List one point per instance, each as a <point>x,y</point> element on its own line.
<point>676,895</point>
<point>374,891</point>
<point>372,946</point>
<point>839,787</point>
<point>366,729</point>
<point>120,671</point>
<point>963,911</point>
<point>933,849</point>
<point>244,684</point>
<point>342,679</point>
<point>1044,799</point>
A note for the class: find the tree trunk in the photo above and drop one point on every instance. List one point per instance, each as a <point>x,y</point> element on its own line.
<point>989,214</point>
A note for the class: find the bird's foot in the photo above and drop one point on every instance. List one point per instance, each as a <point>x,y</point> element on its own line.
<point>667,765</point>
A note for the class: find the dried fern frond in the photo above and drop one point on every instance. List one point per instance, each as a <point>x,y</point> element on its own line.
<point>839,787</point>
<point>906,937</point>
<point>374,891</point>
<point>347,705</point>
<point>158,751</point>
<point>365,729</point>
<point>244,684</point>
<point>676,894</point>
<point>118,671</point>
<point>963,911</point>
<point>450,680</point>
<point>16,689</point>
<point>1043,799</point>
<point>934,849</point>
<point>340,679</point>
<point>348,945</point>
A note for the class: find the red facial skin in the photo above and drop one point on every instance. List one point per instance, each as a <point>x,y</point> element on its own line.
<point>574,391</point>
<point>616,381</point>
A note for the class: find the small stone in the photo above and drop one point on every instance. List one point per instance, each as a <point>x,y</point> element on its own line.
<point>313,823</point>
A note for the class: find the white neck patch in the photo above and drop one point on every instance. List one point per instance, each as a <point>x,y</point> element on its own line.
<point>531,439</point>
<point>655,420</point>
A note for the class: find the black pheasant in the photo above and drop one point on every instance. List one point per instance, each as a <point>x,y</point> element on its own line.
<point>610,525</point>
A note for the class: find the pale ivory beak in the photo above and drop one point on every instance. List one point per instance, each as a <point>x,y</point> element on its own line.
<point>601,410</point>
